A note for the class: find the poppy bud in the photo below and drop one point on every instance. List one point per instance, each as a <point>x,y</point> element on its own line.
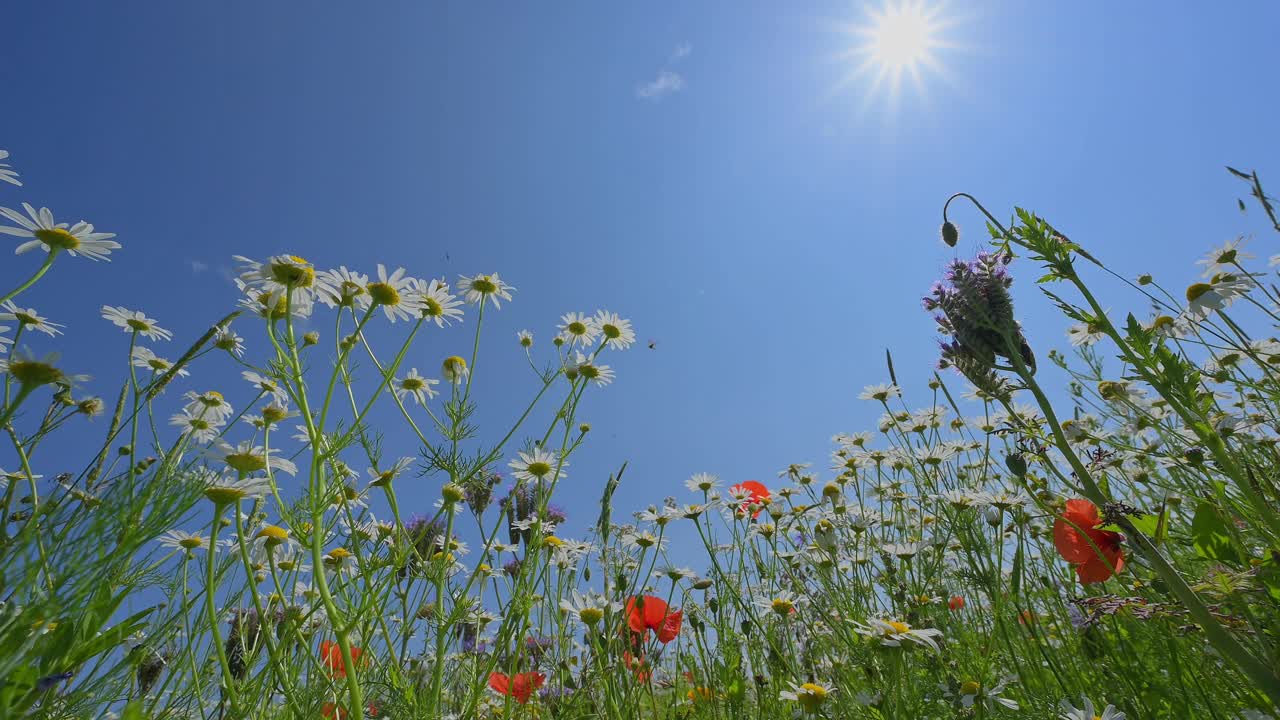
<point>950,234</point>
<point>1016,464</point>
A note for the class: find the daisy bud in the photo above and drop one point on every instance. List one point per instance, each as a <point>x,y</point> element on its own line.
<point>90,406</point>
<point>454,369</point>
<point>311,338</point>
<point>950,233</point>
<point>1144,279</point>
<point>451,493</point>
<point>584,428</point>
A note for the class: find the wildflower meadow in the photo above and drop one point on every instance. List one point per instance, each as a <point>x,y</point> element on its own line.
<point>240,550</point>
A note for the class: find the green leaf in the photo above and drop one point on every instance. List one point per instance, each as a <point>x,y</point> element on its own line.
<point>1210,536</point>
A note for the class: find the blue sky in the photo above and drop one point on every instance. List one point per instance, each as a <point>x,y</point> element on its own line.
<point>770,225</point>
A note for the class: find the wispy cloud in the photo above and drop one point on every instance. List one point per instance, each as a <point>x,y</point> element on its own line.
<point>197,266</point>
<point>668,81</point>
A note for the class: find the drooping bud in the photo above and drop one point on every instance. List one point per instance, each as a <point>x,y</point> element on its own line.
<point>950,233</point>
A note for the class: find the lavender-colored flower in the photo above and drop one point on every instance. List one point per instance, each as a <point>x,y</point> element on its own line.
<point>973,307</point>
<point>555,514</point>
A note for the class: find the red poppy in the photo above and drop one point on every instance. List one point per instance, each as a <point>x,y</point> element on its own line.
<point>331,656</point>
<point>1076,533</point>
<point>650,613</point>
<point>519,687</point>
<point>332,710</point>
<point>956,603</point>
<point>637,665</point>
<point>759,495</point>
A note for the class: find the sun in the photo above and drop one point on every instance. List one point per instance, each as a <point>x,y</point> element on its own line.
<point>896,43</point>
<point>902,37</point>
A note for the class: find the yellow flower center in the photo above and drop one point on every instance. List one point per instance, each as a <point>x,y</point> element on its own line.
<point>1195,291</point>
<point>577,328</point>
<point>612,332</point>
<point>539,468</point>
<point>482,284</point>
<point>811,696</point>
<point>298,273</point>
<point>900,627</point>
<point>191,543</point>
<point>384,294</point>
<point>57,238</point>
<point>246,462</point>
<point>970,688</point>
<point>34,373</point>
<point>338,554</point>
<point>273,534</point>
<point>224,495</point>
<point>591,615</point>
<point>432,307</point>
<point>783,606</point>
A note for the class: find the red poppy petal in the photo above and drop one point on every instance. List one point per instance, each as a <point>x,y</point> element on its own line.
<point>670,627</point>
<point>499,682</point>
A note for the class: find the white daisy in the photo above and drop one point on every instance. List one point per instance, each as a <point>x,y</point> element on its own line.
<point>145,358</point>
<point>246,458</point>
<point>1084,334</point>
<point>7,173</point>
<point>702,482</point>
<point>1067,711</point>
<point>525,338</point>
<point>578,329</point>
<point>539,465</point>
<point>587,609</point>
<point>183,540</point>
<point>382,477</point>
<point>344,288</point>
<point>479,287</point>
<point>201,429</point>
<point>892,632</point>
<point>881,392</point>
<point>1225,258</point>
<point>438,304</point>
<point>209,404</point>
<point>396,294</point>
<point>266,385</point>
<point>226,490</point>
<point>29,319</point>
<point>454,369</point>
<point>599,374</point>
<point>227,339</point>
<point>617,331</point>
<point>416,386</point>
<point>134,321</point>
<point>79,239</point>
<point>809,696</point>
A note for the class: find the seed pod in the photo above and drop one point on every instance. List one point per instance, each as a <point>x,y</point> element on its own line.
<point>950,234</point>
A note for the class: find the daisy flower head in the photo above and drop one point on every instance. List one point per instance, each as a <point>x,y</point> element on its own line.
<point>247,458</point>
<point>880,393</point>
<point>200,429</point>
<point>416,386</point>
<point>7,173</point>
<point>209,404</point>
<point>227,340</point>
<point>1067,711</point>
<point>782,603</point>
<point>266,386</point>
<point>809,696</point>
<point>438,304</point>
<point>183,540</point>
<point>31,371</point>
<point>1225,258</point>
<point>525,339</point>
<point>702,482</point>
<point>892,633</point>
<point>479,287</point>
<point>145,358</point>
<point>395,294</point>
<point>228,491</point>
<point>578,329</point>
<point>454,369</point>
<point>616,330</point>
<point>539,465</point>
<point>344,288</point>
<point>599,374</point>
<point>282,273</point>
<point>1085,334</point>
<point>79,239</point>
<point>29,319</point>
<point>587,609</point>
<point>135,321</point>
<point>379,478</point>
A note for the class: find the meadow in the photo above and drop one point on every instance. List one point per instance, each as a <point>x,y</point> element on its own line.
<point>994,547</point>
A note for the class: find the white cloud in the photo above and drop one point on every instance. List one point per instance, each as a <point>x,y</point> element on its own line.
<point>197,266</point>
<point>681,52</point>
<point>666,83</point>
